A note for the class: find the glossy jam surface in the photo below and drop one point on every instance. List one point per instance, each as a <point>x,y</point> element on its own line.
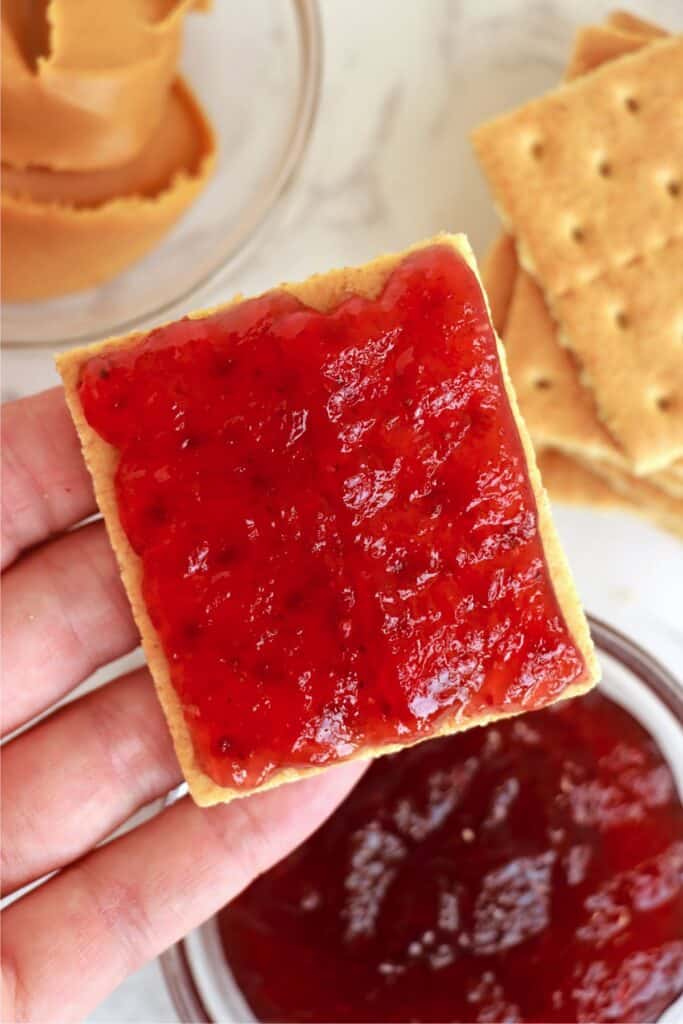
<point>338,536</point>
<point>531,870</point>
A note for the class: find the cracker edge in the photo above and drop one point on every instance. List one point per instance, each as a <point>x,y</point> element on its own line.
<point>321,291</point>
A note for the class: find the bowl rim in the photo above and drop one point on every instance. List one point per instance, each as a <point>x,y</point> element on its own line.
<point>254,218</point>
<point>175,965</point>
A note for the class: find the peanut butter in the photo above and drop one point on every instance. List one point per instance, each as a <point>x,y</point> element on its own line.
<point>103,146</point>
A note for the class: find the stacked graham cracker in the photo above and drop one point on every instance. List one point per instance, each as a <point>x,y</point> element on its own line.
<point>586,288</point>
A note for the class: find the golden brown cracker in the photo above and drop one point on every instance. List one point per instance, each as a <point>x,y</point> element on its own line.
<point>322,292</point>
<point>627,22</point>
<point>596,44</point>
<point>650,501</point>
<point>500,265</point>
<point>572,482</point>
<point>558,410</point>
<point>626,328</point>
<point>499,273</point>
<point>584,175</point>
<point>669,479</point>
<point>656,448</point>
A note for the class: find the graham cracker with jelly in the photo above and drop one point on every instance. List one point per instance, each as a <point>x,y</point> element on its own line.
<point>321,292</point>
<point>588,179</point>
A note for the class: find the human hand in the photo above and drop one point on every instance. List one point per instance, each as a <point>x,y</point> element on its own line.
<point>70,780</point>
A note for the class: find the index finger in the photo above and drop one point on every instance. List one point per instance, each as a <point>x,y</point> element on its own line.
<point>46,486</point>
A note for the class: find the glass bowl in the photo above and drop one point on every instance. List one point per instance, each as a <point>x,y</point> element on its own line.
<point>256,69</point>
<point>201,986</point>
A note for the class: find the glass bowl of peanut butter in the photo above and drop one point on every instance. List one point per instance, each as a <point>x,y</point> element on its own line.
<point>147,150</point>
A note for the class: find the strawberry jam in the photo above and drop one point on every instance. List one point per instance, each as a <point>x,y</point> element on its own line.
<point>338,536</point>
<point>528,871</point>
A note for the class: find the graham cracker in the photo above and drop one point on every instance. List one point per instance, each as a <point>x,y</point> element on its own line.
<point>650,448</point>
<point>650,501</point>
<point>322,292</point>
<point>627,330</point>
<point>627,22</point>
<point>572,482</point>
<point>596,44</point>
<point>499,274</point>
<point>668,480</point>
<point>558,410</point>
<point>573,221</point>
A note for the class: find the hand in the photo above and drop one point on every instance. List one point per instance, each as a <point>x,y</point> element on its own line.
<point>78,774</point>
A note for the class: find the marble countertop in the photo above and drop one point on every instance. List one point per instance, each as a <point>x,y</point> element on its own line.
<point>390,163</point>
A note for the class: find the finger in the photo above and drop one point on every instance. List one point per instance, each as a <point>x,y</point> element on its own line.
<point>64,613</point>
<point>75,777</point>
<point>68,943</point>
<point>45,484</point>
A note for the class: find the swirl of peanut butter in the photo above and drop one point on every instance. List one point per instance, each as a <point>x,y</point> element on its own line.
<point>104,147</point>
<point>64,231</point>
<point>85,82</point>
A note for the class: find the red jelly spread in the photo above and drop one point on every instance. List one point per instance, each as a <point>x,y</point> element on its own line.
<point>528,871</point>
<point>338,536</point>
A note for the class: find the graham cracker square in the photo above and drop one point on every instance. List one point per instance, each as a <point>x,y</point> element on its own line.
<point>627,22</point>
<point>348,290</point>
<point>626,327</point>
<point>596,44</point>
<point>500,270</point>
<point>649,501</point>
<point>558,410</point>
<point>589,176</point>
<point>572,482</point>
<point>654,448</point>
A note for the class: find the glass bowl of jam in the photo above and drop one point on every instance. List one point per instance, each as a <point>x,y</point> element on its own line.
<point>531,870</point>
<point>256,71</point>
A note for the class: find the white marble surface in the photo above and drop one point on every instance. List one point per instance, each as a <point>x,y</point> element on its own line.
<point>390,163</point>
